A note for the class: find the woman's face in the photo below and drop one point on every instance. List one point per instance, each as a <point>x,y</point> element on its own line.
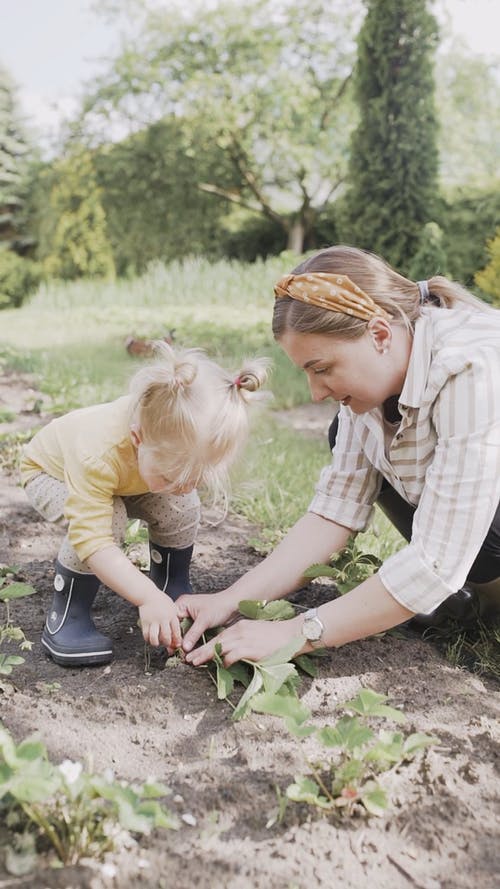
<point>359,373</point>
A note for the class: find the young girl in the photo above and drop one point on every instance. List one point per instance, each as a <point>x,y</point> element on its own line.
<point>416,369</point>
<point>141,456</point>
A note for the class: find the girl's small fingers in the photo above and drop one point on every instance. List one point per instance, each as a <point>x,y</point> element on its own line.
<point>154,634</point>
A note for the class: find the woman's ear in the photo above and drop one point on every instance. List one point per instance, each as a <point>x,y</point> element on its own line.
<point>135,434</point>
<point>381,334</point>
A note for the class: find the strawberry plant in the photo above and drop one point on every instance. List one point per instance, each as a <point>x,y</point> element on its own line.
<point>348,782</point>
<point>9,590</point>
<point>348,568</point>
<point>80,814</point>
<point>274,675</point>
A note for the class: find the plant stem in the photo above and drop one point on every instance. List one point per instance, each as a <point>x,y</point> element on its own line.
<point>319,780</point>
<point>35,815</point>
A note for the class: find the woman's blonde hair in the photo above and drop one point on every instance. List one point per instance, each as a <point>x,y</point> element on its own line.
<point>399,296</point>
<point>193,414</point>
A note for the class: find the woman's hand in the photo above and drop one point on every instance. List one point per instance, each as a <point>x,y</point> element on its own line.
<point>249,639</point>
<point>206,611</point>
<point>159,621</point>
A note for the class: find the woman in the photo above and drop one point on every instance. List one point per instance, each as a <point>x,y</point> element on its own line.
<point>416,369</point>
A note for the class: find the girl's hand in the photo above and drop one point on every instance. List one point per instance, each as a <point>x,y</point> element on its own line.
<point>159,621</point>
<point>206,610</point>
<point>249,639</point>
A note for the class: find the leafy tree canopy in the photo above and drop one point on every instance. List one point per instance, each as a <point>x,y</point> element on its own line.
<point>267,82</point>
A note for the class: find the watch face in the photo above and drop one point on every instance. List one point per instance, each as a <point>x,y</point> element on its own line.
<point>312,629</point>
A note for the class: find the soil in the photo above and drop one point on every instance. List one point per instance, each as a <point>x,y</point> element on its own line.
<point>441,831</point>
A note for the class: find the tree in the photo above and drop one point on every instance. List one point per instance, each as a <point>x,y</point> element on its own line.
<point>467,88</point>
<point>430,258</point>
<point>267,82</point>
<point>394,161</point>
<point>14,150</point>
<point>76,239</point>
<point>161,214</point>
<point>488,279</point>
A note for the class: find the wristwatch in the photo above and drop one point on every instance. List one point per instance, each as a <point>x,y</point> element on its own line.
<point>312,627</point>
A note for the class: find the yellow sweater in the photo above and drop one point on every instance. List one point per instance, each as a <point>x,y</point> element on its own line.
<point>91,451</point>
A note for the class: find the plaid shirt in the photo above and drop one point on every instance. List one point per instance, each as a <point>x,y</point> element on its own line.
<point>444,457</point>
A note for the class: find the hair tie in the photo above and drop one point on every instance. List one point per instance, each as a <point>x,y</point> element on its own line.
<point>423,289</point>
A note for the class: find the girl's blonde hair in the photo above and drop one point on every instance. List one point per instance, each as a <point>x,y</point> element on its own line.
<point>393,292</point>
<point>193,414</point>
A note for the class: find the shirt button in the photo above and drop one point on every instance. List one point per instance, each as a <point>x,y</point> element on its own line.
<point>435,564</point>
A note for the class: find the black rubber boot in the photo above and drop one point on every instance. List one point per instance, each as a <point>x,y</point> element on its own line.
<point>462,607</point>
<point>69,635</point>
<point>169,569</point>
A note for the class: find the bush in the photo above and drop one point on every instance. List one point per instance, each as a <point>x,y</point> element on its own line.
<point>19,278</point>
<point>488,279</point>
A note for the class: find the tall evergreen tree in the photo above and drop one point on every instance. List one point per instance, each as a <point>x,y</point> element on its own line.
<point>13,154</point>
<point>394,159</point>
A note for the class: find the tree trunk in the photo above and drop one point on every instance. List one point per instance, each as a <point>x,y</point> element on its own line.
<point>296,236</point>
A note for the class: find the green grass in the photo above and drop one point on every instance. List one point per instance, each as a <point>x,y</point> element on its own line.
<point>71,335</point>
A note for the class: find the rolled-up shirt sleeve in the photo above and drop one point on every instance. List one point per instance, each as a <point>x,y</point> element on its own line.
<point>349,485</point>
<point>460,494</point>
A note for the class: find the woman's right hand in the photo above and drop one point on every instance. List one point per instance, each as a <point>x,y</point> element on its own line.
<point>205,610</point>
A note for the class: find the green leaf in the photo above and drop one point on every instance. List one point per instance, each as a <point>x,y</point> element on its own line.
<point>16,591</point>
<point>241,672</point>
<point>279,609</point>
<point>318,570</point>
<point>370,703</point>
<point>273,677</point>
<point>347,732</point>
<point>418,741</point>
<point>284,654</point>
<point>158,815</point>
<point>153,789</point>
<point>250,608</point>
<point>7,662</point>
<point>306,664</point>
<point>287,706</point>
<point>374,799</point>
<point>243,704</point>
<point>305,790</point>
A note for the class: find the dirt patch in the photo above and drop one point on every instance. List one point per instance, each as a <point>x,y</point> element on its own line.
<point>441,832</point>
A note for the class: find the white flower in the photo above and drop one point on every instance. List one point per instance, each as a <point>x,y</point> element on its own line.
<point>71,771</point>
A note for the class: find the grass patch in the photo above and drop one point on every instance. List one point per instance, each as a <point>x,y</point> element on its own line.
<point>72,334</point>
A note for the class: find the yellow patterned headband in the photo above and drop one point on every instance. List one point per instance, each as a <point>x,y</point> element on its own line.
<point>327,291</point>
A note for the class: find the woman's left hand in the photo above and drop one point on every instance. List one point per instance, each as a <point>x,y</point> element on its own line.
<point>252,640</point>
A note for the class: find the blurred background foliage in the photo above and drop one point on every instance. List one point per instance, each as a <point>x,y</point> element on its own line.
<point>247,129</point>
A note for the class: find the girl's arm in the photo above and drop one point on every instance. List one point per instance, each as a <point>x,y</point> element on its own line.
<point>312,539</point>
<point>158,616</point>
<point>364,611</point>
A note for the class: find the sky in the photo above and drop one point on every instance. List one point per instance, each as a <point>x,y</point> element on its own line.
<point>51,47</point>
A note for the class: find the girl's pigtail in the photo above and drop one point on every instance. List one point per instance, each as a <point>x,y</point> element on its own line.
<point>251,377</point>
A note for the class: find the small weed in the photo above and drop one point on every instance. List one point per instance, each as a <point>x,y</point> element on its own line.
<point>80,814</point>
<point>6,416</point>
<point>477,648</point>
<point>9,590</point>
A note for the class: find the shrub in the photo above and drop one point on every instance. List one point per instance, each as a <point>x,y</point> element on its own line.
<point>19,278</point>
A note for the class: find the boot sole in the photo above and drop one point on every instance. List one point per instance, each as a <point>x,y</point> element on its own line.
<point>77,659</point>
